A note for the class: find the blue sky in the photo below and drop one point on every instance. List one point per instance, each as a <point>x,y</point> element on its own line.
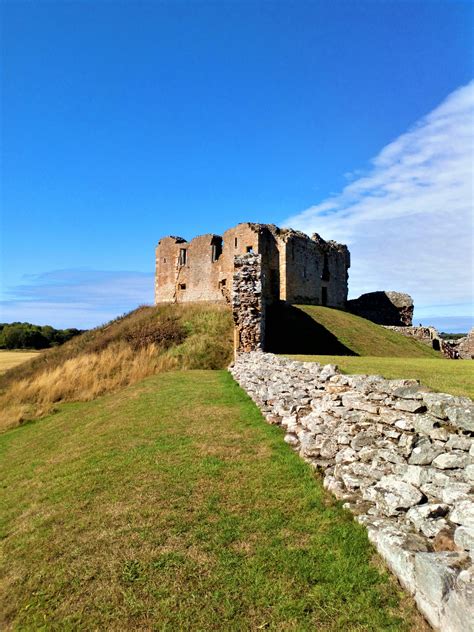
<point>126,121</point>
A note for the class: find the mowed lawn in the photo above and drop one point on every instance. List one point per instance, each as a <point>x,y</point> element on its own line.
<point>172,505</point>
<point>439,374</point>
<point>9,359</point>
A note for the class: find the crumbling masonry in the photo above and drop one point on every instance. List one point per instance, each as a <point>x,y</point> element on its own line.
<point>293,267</point>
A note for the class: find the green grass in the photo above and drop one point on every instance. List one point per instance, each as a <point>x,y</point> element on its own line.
<point>440,374</point>
<point>364,338</point>
<point>171,505</point>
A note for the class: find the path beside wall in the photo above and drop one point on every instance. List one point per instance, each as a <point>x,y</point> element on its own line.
<point>399,456</point>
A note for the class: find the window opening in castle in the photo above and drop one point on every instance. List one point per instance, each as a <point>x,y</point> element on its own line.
<point>182,286</point>
<point>216,251</point>
<point>164,259</point>
<point>235,242</point>
<point>324,296</point>
<point>250,249</point>
<point>182,257</point>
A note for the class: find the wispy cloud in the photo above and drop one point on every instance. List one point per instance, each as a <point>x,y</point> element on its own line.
<point>76,298</point>
<point>408,220</point>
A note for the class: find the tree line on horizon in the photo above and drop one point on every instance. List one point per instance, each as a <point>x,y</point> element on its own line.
<point>28,336</point>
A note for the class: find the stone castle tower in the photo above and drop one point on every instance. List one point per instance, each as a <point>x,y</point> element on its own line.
<point>296,268</point>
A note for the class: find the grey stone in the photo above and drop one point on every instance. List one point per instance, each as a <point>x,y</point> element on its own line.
<point>393,496</point>
<point>458,611</point>
<point>347,455</point>
<point>451,460</point>
<point>455,491</point>
<point>469,473</point>
<point>291,439</point>
<point>408,392</point>
<point>407,442</point>
<point>329,448</point>
<point>425,424</point>
<point>428,518</point>
<point>390,543</point>
<point>437,403</point>
<point>415,475</point>
<point>405,424</point>
<point>464,538</point>
<point>457,442</point>
<point>362,439</point>
<point>423,453</point>
<point>463,513</point>
<point>410,405</point>
<point>462,413</point>
<point>435,574</point>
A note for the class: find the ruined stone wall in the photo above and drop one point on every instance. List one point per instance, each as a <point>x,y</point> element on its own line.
<point>462,348</point>
<point>399,456</point>
<point>316,271</point>
<point>167,269</point>
<point>248,303</point>
<point>383,308</point>
<point>465,346</point>
<point>427,335</point>
<point>297,268</point>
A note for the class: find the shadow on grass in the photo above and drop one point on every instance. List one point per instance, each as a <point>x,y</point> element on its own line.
<point>290,330</point>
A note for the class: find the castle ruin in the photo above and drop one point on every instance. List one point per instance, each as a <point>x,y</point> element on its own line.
<point>295,268</point>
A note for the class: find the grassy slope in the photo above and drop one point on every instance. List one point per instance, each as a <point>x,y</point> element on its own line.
<point>10,359</point>
<point>184,512</point>
<point>387,353</point>
<point>365,338</point>
<point>146,341</point>
<point>446,376</point>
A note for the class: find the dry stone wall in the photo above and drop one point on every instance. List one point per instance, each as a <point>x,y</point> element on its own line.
<point>400,457</point>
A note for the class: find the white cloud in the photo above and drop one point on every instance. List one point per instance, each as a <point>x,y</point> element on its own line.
<point>76,298</point>
<point>408,221</point>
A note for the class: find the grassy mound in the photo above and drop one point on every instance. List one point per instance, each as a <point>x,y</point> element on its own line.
<point>172,506</point>
<point>310,329</point>
<point>144,342</point>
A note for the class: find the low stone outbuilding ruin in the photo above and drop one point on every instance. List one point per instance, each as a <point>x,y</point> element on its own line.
<point>295,268</point>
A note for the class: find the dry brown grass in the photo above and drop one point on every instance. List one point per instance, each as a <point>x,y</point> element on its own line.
<point>10,359</point>
<point>146,342</point>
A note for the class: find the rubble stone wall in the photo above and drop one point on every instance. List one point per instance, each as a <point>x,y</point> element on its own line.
<point>465,346</point>
<point>461,348</point>
<point>400,457</point>
<point>428,335</point>
<point>248,303</point>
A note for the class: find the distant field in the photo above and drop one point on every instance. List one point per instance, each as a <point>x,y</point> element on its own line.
<point>9,359</point>
<point>446,376</point>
